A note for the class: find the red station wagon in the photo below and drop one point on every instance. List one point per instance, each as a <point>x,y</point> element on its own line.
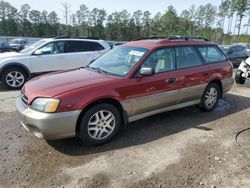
<point>131,82</point>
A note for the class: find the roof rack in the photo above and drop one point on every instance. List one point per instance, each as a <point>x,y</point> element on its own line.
<point>62,37</point>
<point>172,38</point>
<point>68,37</point>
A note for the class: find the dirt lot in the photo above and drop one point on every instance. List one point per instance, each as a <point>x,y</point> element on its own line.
<point>183,148</point>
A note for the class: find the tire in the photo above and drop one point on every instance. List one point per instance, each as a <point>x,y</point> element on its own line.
<point>238,77</point>
<point>95,125</point>
<point>10,78</point>
<point>210,97</point>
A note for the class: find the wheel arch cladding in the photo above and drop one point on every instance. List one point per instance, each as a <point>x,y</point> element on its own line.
<point>15,65</point>
<point>219,83</point>
<point>114,102</point>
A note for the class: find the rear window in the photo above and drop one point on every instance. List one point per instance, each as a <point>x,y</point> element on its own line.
<point>211,54</point>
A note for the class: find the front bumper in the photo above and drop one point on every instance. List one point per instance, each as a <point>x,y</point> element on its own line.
<point>49,126</point>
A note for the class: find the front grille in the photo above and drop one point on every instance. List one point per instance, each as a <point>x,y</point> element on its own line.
<point>25,99</point>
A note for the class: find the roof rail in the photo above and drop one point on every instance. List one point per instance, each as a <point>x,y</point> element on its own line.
<point>93,38</point>
<point>62,37</point>
<point>171,38</point>
<point>68,37</point>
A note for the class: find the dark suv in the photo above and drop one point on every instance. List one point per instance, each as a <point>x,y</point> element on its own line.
<point>128,83</point>
<point>236,54</point>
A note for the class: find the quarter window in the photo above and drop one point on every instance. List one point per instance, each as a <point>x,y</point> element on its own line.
<point>161,60</point>
<point>211,54</point>
<point>186,57</point>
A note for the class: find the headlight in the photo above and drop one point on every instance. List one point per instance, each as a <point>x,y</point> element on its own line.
<point>45,105</point>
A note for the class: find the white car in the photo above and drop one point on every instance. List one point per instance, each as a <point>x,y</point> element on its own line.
<point>48,55</point>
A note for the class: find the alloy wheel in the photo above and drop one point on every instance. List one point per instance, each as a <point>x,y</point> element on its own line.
<point>15,79</point>
<point>101,125</point>
<point>211,97</point>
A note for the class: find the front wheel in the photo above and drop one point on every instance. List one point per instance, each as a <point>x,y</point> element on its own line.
<point>14,78</point>
<point>239,79</point>
<point>210,97</point>
<point>99,124</point>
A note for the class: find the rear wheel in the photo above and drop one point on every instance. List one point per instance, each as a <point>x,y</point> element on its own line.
<point>238,77</point>
<point>14,78</point>
<point>99,124</point>
<point>210,97</point>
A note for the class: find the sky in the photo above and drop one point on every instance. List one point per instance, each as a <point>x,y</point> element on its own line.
<point>112,5</point>
<point>153,6</point>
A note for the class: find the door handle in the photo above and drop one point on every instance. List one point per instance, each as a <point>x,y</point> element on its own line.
<point>171,80</point>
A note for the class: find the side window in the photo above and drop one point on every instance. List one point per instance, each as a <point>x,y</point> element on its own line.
<point>78,46</point>
<point>161,60</point>
<point>211,54</point>
<point>53,48</point>
<point>186,57</point>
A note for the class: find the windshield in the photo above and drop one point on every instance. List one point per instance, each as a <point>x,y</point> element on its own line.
<point>32,46</point>
<point>119,61</point>
<point>15,42</point>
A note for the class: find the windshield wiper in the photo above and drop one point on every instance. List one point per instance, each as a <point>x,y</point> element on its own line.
<point>98,70</point>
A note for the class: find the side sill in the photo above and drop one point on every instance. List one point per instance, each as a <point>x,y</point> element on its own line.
<point>151,113</point>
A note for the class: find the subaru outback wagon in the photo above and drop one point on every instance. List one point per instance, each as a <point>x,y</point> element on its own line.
<point>130,82</point>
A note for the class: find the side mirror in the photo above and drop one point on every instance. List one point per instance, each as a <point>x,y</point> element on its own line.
<point>38,52</point>
<point>146,71</point>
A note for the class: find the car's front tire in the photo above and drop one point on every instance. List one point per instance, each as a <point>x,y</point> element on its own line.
<point>14,78</point>
<point>238,77</point>
<point>99,124</point>
<point>210,97</point>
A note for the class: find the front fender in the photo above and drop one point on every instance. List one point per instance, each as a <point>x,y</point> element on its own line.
<point>81,98</point>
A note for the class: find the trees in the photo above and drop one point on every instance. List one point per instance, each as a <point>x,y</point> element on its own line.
<point>240,7</point>
<point>122,25</point>
<point>25,26</point>
<point>66,13</point>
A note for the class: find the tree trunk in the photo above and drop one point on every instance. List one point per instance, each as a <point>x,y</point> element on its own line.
<point>241,16</point>
<point>235,24</point>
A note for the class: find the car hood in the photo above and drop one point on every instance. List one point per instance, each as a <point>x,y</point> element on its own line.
<point>53,84</point>
<point>11,55</point>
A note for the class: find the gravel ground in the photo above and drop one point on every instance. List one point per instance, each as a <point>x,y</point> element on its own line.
<point>182,148</point>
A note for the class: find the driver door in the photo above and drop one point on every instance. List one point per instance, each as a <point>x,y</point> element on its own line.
<point>52,58</point>
<point>149,93</point>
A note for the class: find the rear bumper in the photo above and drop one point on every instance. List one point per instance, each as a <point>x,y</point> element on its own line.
<point>227,84</point>
<point>49,126</point>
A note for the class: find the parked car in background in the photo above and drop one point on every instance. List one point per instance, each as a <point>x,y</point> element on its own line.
<point>18,44</point>
<point>224,48</point>
<point>131,82</point>
<point>48,55</point>
<point>119,43</point>
<point>4,47</point>
<point>236,54</point>
<point>111,44</point>
<point>243,72</point>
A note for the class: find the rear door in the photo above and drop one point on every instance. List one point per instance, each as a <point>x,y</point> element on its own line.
<point>191,75</point>
<point>149,93</point>
<point>79,53</point>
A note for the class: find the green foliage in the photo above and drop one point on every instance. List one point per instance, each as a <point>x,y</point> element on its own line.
<point>122,25</point>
